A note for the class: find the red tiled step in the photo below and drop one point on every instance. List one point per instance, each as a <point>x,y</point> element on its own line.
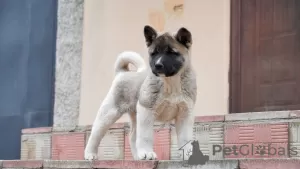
<point>253,140</point>
<point>161,144</point>
<point>68,146</point>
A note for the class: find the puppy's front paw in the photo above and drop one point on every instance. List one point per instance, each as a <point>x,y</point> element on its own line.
<point>90,156</point>
<point>147,156</point>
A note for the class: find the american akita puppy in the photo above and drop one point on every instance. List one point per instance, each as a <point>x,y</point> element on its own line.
<point>165,92</point>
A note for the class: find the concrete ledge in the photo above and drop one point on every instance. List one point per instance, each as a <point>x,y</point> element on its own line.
<point>222,164</point>
<point>89,127</point>
<point>79,128</point>
<point>22,164</point>
<point>259,115</point>
<point>295,114</point>
<point>270,164</point>
<point>219,118</point>
<point>128,164</point>
<point>64,129</point>
<point>37,130</point>
<point>125,164</point>
<point>67,164</point>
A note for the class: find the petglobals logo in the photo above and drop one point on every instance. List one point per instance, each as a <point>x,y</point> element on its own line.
<point>263,149</point>
<point>196,157</point>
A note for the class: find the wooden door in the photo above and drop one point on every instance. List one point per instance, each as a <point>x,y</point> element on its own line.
<point>265,55</point>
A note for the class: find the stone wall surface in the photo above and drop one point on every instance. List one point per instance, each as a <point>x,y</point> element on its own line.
<point>68,62</point>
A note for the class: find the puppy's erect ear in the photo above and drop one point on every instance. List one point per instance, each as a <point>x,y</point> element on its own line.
<point>150,34</point>
<point>184,37</point>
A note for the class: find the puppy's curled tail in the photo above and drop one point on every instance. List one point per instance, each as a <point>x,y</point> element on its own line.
<point>123,60</point>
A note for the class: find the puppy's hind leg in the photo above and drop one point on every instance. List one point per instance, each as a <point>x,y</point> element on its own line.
<point>107,115</point>
<point>132,134</point>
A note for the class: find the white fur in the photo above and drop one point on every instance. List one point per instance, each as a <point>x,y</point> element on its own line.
<point>171,103</point>
<point>121,64</point>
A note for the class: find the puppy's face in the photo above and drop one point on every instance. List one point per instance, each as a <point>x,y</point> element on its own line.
<point>168,53</point>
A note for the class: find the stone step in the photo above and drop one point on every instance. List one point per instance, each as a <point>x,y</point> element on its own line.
<point>234,136</point>
<point>127,164</point>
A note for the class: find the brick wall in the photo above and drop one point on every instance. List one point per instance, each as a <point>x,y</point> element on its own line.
<point>253,132</point>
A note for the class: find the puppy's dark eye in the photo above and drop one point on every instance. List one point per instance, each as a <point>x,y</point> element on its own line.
<point>154,52</point>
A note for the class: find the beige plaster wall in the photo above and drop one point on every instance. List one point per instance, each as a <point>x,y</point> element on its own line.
<point>112,26</point>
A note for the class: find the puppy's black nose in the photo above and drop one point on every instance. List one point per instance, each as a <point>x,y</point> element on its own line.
<point>159,66</point>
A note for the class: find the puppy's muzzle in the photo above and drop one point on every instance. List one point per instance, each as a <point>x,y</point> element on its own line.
<point>159,67</point>
<point>166,67</point>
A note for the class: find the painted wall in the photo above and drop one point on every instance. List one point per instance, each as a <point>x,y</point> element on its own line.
<point>112,26</point>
